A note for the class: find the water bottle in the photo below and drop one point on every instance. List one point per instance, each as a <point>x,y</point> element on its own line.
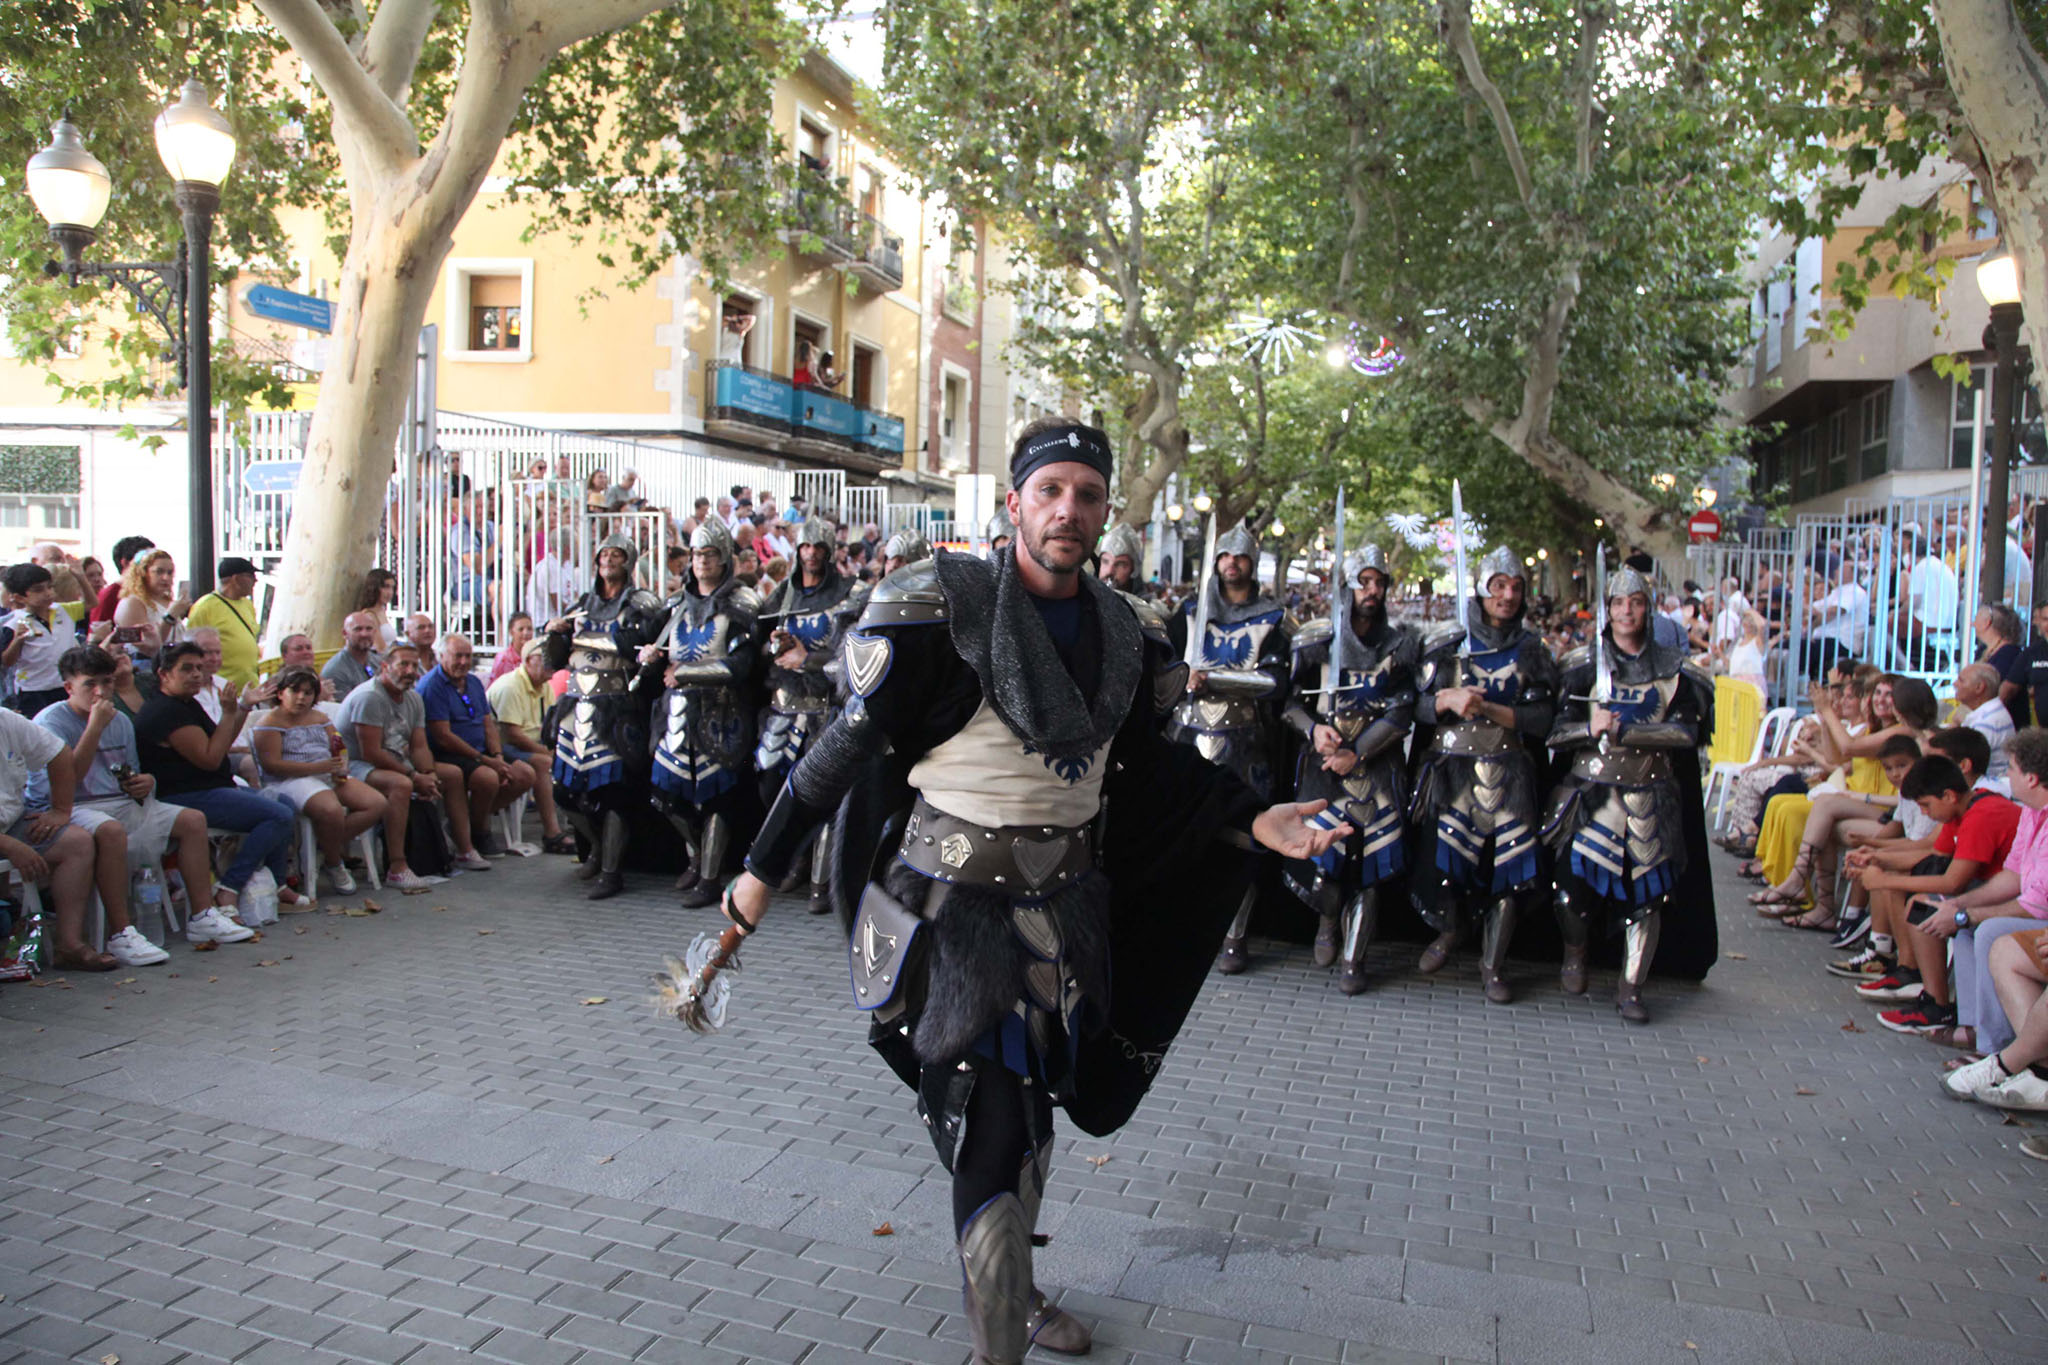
<point>146,904</point>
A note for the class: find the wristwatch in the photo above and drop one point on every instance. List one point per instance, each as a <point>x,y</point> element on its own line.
<point>1962,919</point>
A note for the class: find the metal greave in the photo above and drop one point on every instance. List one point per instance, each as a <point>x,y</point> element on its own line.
<point>1500,929</point>
<point>1361,918</point>
<point>1639,949</point>
<point>995,1266</point>
<point>612,844</point>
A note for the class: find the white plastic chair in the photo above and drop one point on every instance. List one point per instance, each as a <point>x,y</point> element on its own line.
<point>512,824</point>
<point>1771,737</point>
<point>364,847</point>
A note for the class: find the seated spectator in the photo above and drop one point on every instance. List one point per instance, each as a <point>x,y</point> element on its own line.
<point>1977,830</point>
<point>94,575</point>
<point>230,611</point>
<point>383,723</point>
<point>518,630</point>
<point>520,700</point>
<point>305,764</point>
<point>2014,898</point>
<point>132,690</point>
<point>625,495</point>
<point>42,632</point>
<point>115,802</point>
<point>296,651</point>
<point>462,732</point>
<point>187,752</point>
<point>45,847</point>
<point>421,630</point>
<point>358,660</point>
<point>1998,636</point>
<point>594,489</point>
<point>1977,697</point>
<point>379,593</point>
<point>2015,1075</point>
<point>125,550</point>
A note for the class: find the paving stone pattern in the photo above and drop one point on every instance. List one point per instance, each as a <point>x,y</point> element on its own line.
<point>454,1130</point>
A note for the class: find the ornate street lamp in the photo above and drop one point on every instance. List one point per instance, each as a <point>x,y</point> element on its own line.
<point>1998,280</point>
<point>71,189</point>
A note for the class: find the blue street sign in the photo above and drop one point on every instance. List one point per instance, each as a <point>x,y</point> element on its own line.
<point>282,305</point>
<point>272,476</point>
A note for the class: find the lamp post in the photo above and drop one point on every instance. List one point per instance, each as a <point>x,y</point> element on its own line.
<point>1998,280</point>
<point>71,189</point>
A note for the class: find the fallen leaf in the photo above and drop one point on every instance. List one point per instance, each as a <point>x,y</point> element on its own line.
<point>1852,1027</point>
<point>267,962</point>
<point>372,906</point>
<point>255,936</point>
<point>440,907</point>
<point>412,891</point>
<point>212,979</point>
<point>1099,1161</point>
<point>299,931</point>
<point>2012,1121</point>
<point>207,947</point>
<point>886,1230</point>
<point>1802,1090</point>
<point>1692,1346</point>
<point>125,981</point>
<point>302,908</point>
<point>354,913</point>
<point>594,999</point>
<point>1953,1204</point>
<point>604,1161</point>
<point>110,1359</point>
<point>1703,1060</point>
<point>1740,957</point>
<point>487,931</point>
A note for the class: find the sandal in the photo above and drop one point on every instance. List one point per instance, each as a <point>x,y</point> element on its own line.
<point>1818,919</point>
<point>564,842</point>
<point>1961,1037</point>
<point>1958,1063</point>
<point>82,960</point>
<point>1752,868</point>
<point>1772,896</point>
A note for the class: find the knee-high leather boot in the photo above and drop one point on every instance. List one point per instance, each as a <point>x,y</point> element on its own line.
<point>1574,928</point>
<point>710,864</point>
<point>1234,959</point>
<point>688,833</point>
<point>611,858</point>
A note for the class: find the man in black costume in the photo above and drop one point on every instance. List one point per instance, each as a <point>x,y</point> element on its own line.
<point>804,614</point>
<point>1020,836</point>
<point>1353,705</point>
<point>704,724</point>
<point>1234,639</point>
<point>1489,697</point>
<point>600,767</point>
<point>1618,819</point>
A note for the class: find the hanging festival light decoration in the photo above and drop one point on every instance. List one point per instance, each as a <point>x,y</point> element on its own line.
<point>1370,355</point>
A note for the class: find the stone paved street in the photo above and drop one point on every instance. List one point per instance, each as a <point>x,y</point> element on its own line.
<point>453,1130</point>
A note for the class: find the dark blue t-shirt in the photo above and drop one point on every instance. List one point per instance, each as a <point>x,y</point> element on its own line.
<point>464,709</point>
<point>1062,617</point>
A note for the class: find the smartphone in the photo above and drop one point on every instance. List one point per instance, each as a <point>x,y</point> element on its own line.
<point>127,635</point>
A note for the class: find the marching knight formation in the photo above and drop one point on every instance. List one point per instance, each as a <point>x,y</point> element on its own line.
<point>1044,809</point>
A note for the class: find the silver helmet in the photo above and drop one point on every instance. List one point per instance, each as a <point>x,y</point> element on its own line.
<point>1367,556</point>
<point>623,544</point>
<point>1121,542</point>
<point>1500,560</point>
<point>1000,527</point>
<point>907,545</point>
<point>818,531</point>
<point>713,536</point>
<point>1238,540</point>
<point>1628,582</point>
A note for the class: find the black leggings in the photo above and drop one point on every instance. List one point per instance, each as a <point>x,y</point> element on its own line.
<point>997,1140</point>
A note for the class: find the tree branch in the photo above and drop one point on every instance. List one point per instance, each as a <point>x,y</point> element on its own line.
<point>564,23</point>
<point>1586,76</point>
<point>383,134</point>
<point>1456,23</point>
<point>391,51</point>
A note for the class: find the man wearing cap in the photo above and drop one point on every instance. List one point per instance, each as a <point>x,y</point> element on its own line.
<point>704,723</point>
<point>1488,700</point>
<point>600,767</point>
<point>1353,705</point>
<point>231,609</point>
<point>1018,952</point>
<point>1617,821</point>
<point>804,623</point>
<point>1237,680</point>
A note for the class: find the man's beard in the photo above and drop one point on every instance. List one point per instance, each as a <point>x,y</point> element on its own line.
<point>1368,617</point>
<point>1042,557</point>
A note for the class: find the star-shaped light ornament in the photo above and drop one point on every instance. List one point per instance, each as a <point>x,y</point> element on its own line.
<point>1271,341</point>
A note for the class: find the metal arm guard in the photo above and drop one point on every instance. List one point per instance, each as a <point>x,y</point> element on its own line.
<point>708,672</point>
<point>1297,718</point>
<point>1572,734</point>
<point>1240,682</point>
<point>1379,737</point>
<point>1534,717</point>
<point>1663,734</point>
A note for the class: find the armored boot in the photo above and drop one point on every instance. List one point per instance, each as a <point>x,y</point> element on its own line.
<point>710,863</point>
<point>1360,918</point>
<point>1493,951</point>
<point>821,873</point>
<point>688,834</point>
<point>1572,926</point>
<point>611,858</point>
<point>1638,949</point>
<point>1045,1323</point>
<point>1234,959</point>
<point>1327,932</point>
<point>1439,950</point>
<point>586,843</point>
<point>995,1265</point>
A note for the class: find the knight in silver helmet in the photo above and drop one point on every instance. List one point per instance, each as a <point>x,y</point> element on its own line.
<point>600,767</point>
<point>905,547</point>
<point>1121,554</point>
<point>1488,699</point>
<point>1353,706</point>
<point>1233,638</point>
<point>704,723</point>
<point>1000,532</point>
<point>1630,710</point>
<point>805,621</point>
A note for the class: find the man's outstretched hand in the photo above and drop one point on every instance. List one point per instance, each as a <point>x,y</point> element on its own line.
<point>1285,829</point>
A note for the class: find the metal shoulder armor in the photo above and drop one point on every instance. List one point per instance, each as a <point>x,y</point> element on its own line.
<point>1575,658</point>
<point>909,597</point>
<point>1316,632</point>
<point>1151,620</point>
<point>1442,636</point>
<point>745,599</point>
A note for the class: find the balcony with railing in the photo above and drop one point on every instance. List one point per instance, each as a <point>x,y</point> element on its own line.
<point>767,408</point>
<point>821,223</point>
<point>880,264</point>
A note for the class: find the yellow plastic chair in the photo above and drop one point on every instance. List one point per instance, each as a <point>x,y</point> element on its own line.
<point>1738,713</point>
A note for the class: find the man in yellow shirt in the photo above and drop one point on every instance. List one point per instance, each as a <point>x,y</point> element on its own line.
<point>231,609</point>
<point>521,700</point>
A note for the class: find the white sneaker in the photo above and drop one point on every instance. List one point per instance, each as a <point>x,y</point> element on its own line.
<point>1967,1082</point>
<point>410,880</point>
<point>473,861</point>
<point>2023,1091</point>
<point>338,879</point>
<point>131,949</point>
<point>214,925</point>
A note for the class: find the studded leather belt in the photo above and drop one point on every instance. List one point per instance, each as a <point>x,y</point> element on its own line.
<point>1621,767</point>
<point>791,700</point>
<point>1475,737</point>
<point>1024,860</point>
